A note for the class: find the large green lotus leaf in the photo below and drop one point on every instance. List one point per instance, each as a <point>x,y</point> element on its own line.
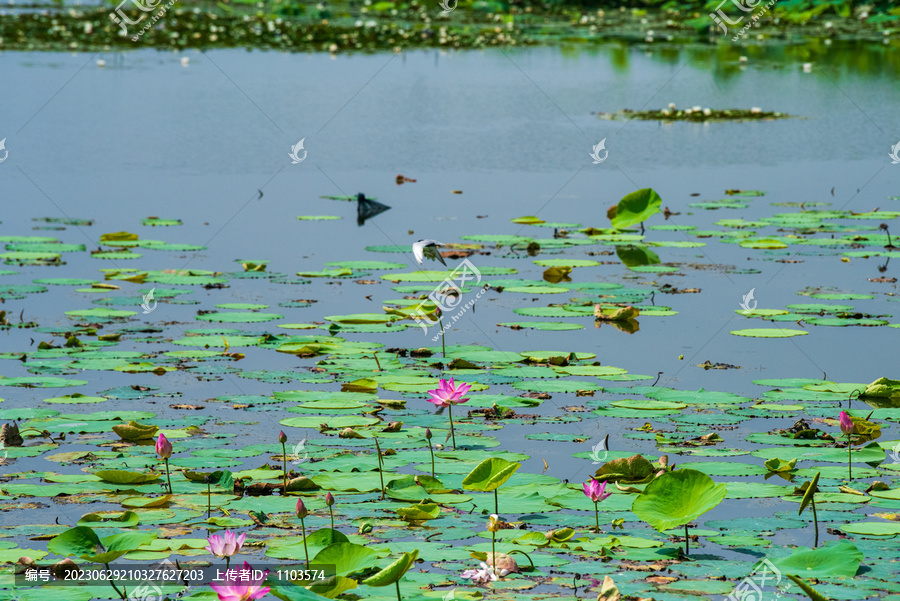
<point>833,559</point>
<point>677,498</point>
<point>347,558</point>
<point>882,388</point>
<point>636,207</point>
<point>636,256</point>
<point>126,477</point>
<point>425,511</point>
<point>121,519</point>
<point>872,528</point>
<point>490,474</point>
<point>133,431</point>
<point>392,573</point>
<point>83,542</point>
<point>634,469</point>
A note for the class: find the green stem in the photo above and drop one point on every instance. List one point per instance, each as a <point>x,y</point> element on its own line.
<point>450,415</point>
<point>431,450</point>
<point>305,551</point>
<point>227,562</point>
<point>331,513</point>
<point>208,499</point>
<point>443,346</point>
<point>380,467</point>
<point>284,466</point>
<point>849,461</point>
<point>493,552</point>
<point>496,504</point>
<point>113,584</point>
<point>397,584</point>
<point>597,515</point>
<point>815,521</point>
<point>168,479</point>
<point>687,544</point>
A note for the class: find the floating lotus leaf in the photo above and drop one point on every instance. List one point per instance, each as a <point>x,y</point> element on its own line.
<point>677,498</point>
<point>133,431</point>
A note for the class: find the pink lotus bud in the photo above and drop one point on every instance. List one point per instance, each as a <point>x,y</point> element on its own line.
<point>163,447</point>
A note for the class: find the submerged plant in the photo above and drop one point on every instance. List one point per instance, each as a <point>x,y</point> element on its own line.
<point>596,492</point>
<point>164,450</point>
<point>446,395</point>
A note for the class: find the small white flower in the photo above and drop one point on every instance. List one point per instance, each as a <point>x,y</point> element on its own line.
<point>755,110</point>
<point>185,61</point>
<point>807,67</point>
<point>697,108</point>
<point>743,59</point>
<point>101,63</point>
<point>707,112</point>
<point>672,105</point>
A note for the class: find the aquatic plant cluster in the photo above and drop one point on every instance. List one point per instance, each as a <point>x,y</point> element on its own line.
<point>387,25</point>
<point>384,467</point>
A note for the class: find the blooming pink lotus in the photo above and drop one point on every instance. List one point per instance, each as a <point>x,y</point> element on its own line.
<point>485,574</point>
<point>238,588</point>
<point>448,393</point>
<point>227,546</point>
<point>595,490</point>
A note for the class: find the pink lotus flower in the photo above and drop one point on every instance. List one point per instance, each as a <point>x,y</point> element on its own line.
<point>485,574</point>
<point>846,423</point>
<point>239,588</point>
<point>448,393</point>
<point>163,447</point>
<point>227,546</point>
<point>595,490</point>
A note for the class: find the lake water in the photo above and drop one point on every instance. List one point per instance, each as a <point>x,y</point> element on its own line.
<point>149,136</point>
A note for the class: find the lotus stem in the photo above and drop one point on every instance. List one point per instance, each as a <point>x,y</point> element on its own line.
<point>397,584</point>
<point>284,466</point>
<point>496,504</point>
<point>687,543</point>
<point>208,498</point>
<point>331,513</point>
<point>815,521</point>
<point>305,551</point>
<point>443,345</point>
<point>227,562</point>
<point>431,450</point>
<point>527,556</point>
<point>168,479</point>
<point>377,362</point>
<point>597,516</point>
<point>121,593</point>
<point>493,551</point>
<point>380,466</point>
<point>849,460</point>
<point>450,415</point>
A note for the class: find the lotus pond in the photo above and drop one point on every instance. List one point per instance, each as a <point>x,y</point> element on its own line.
<point>201,330</point>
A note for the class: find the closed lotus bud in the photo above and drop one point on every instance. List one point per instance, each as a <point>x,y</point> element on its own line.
<point>428,433</point>
<point>282,437</point>
<point>329,499</point>
<point>301,509</point>
<point>163,447</point>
